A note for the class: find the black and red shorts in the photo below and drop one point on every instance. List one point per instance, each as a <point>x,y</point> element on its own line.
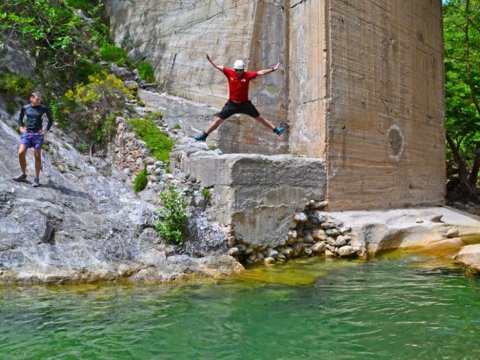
<point>231,108</point>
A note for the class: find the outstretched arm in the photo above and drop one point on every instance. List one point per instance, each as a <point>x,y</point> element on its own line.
<point>215,65</point>
<point>268,71</point>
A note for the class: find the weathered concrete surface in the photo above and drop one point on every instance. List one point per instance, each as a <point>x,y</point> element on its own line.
<point>174,36</point>
<point>255,195</point>
<point>385,128</point>
<point>308,77</point>
<point>366,92</point>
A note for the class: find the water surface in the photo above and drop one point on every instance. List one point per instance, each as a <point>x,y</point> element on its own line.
<point>383,309</point>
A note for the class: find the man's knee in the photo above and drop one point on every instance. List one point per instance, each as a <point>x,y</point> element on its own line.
<point>22,150</point>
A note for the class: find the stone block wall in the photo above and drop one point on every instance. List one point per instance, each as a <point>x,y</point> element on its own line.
<point>257,196</point>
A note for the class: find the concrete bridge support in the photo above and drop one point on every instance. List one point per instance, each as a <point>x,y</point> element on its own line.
<point>361,84</point>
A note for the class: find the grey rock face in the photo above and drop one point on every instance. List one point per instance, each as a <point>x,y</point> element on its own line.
<point>15,59</point>
<point>84,223</point>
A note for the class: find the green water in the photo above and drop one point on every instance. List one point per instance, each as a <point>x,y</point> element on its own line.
<point>382,309</point>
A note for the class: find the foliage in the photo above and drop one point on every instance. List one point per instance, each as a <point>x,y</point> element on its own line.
<point>173,214</point>
<point>462,90</point>
<point>159,144</point>
<point>85,5</point>
<point>16,84</point>
<point>57,113</point>
<point>141,180</point>
<point>64,45</point>
<point>114,54</point>
<point>207,194</point>
<point>93,106</point>
<point>86,68</point>
<point>145,71</point>
<point>83,148</point>
<point>50,28</point>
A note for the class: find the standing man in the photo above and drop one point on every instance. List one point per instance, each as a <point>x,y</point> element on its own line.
<point>238,102</point>
<point>32,134</point>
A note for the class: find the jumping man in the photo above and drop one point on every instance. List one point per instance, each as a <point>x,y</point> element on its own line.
<point>32,135</point>
<point>238,103</point>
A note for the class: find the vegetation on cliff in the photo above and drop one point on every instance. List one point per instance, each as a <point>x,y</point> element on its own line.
<point>73,56</point>
<point>173,215</point>
<point>462,95</point>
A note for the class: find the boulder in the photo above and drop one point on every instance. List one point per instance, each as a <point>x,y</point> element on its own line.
<point>469,256</point>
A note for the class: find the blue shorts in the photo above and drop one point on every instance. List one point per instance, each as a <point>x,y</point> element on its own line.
<point>32,139</point>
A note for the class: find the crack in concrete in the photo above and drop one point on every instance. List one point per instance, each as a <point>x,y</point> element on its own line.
<point>298,3</point>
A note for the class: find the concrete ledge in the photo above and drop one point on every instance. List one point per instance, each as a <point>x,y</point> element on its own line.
<point>256,195</point>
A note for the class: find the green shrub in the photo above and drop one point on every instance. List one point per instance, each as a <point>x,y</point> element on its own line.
<point>85,69</point>
<point>114,54</point>
<point>207,194</point>
<point>14,84</point>
<point>159,144</point>
<point>141,180</point>
<point>59,116</point>
<point>83,148</point>
<point>145,71</point>
<point>94,106</point>
<point>173,215</point>
<point>12,106</point>
<point>87,5</point>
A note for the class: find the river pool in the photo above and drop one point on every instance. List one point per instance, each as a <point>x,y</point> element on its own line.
<point>389,308</point>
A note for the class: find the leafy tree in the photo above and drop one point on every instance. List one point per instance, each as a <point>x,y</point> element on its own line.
<point>462,92</point>
<point>55,34</point>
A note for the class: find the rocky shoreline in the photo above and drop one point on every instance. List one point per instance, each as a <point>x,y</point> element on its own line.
<point>85,223</point>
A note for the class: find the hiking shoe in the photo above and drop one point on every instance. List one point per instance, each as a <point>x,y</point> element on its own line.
<point>21,177</point>
<point>278,130</point>
<point>201,137</point>
<point>36,182</point>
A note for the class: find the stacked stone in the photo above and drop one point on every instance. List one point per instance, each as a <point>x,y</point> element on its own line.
<point>131,155</point>
<point>312,233</point>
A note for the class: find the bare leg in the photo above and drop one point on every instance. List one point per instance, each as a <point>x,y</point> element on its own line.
<point>38,161</point>
<point>22,158</point>
<point>214,125</point>
<point>264,121</point>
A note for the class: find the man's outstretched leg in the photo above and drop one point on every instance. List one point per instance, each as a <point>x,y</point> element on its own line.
<point>212,127</point>
<point>264,121</point>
